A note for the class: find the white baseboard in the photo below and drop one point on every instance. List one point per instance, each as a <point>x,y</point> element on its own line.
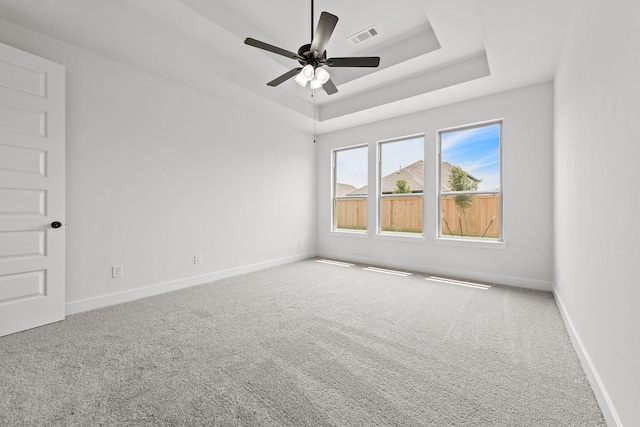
<point>606,406</point>
<point>74,307</point>
<point>538,285</point>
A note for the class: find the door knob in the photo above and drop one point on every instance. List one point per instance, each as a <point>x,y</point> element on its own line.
<point>56,224</point>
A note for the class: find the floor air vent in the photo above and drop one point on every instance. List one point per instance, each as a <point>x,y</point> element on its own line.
<point>385,271</point>
<point>328,261</point>
<point>363,35</point>
<point>458,282</point>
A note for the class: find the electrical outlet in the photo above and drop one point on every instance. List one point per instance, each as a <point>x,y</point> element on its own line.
<point>116,271</point>
<point>197,258</point>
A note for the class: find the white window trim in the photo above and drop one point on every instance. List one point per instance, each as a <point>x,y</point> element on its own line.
<point>471,243</point>
<point>389,235</point>
<point>364,234</point>
<point>402,237</point>
<point>467,241</point>
<point>332,228</point>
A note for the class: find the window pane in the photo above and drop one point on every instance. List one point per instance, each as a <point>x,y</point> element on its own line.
<point>402,185</point>
<point>476,216</point>
<point>470,162</point>
<point>350,189</point>
<point>471,159</point>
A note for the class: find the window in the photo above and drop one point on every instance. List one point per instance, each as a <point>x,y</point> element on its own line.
<point>470,182</point>
<point>401,178</point>
<point>350,189</point>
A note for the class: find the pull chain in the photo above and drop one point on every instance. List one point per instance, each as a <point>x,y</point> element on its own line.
<point>313,93</point>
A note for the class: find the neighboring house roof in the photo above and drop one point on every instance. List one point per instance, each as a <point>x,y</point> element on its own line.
<point>414,175</point>
<point>343,189</point>
<point>445,169</point>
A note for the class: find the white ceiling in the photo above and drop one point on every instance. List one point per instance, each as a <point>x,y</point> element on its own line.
<point>433,52</point>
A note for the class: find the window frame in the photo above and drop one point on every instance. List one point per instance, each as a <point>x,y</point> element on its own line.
<point>470,241</point>
<point>334,198</point>
<point>380,197</point>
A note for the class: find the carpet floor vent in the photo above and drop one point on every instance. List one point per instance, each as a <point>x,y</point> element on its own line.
<point>458,282</point>
<point>385,271</point>
<point>341,264</point>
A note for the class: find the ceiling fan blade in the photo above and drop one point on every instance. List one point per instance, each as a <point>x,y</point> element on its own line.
<point>283,78</point>
<point>326,25</point>
<point>271,48</point>
<point>329,87</point>
<point>360,61</point>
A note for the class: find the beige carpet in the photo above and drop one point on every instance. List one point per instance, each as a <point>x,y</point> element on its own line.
<point>306,344</point>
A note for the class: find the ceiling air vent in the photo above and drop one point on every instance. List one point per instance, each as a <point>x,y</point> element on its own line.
<point>363,35</point>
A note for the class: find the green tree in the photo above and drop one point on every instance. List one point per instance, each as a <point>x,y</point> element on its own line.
<point>402,187</point>
<point>459,181</point>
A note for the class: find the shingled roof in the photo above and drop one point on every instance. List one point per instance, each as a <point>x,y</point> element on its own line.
<point>344,189</point>
<point>414,175</point>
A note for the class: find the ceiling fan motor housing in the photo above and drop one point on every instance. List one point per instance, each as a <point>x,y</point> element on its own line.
<point>307,57</point>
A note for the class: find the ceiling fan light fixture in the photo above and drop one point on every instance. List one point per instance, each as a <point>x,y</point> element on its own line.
<point>315,83</point>
<point>301,80</point>
<point>307,72</point>
<point>305,75</point>
<point>322,75</point>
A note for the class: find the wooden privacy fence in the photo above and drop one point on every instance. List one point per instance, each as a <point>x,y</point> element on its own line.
<point>402,214</point>
<point>476,220</point>
<point>351,213</point>
<point>405,214</point>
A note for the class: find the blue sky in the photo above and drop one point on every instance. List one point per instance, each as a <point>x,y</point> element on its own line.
<point>352,163</point>
<point>476,150</point>
<point>397,155</point>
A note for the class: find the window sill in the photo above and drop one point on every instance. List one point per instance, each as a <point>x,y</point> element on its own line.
<point>471,243</point>
<point>400,237</point>
<point>356,234</point>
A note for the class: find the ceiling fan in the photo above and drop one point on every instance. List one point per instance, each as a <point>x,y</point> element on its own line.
<point>312,57</point>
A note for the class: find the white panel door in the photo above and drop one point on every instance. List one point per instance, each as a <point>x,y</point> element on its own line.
<point>32,166</point>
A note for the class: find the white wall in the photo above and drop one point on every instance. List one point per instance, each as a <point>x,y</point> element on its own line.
<point>597,199</point>
<point>157,172</point>
<point>527,186</point>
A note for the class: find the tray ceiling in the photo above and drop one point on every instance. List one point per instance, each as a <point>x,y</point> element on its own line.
<point>433,52</point>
